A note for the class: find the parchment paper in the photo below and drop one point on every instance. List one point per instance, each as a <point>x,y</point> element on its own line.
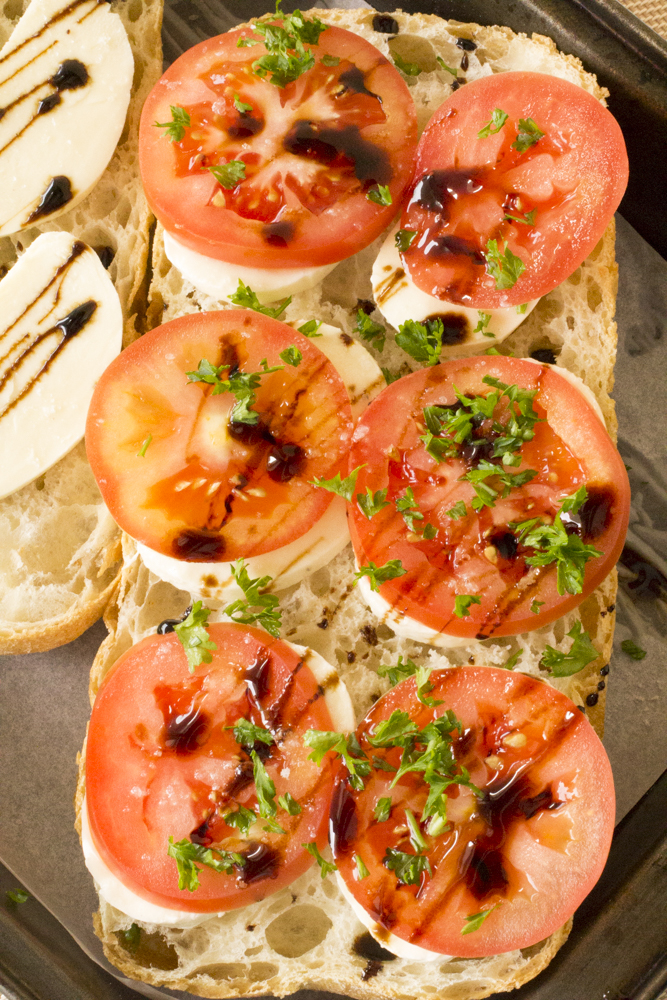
<point>43,697</point>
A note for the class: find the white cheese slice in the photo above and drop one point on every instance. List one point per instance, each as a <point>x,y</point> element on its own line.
<point>48,371</point>
<point>118,895</point>
<point>398,299</point>
<point>57,125</point>
<point>288,564</point>
<point>220,280</point>
<point>396,945</point>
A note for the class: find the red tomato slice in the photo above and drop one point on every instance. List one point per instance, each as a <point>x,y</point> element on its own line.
<point>311,150</point>
<point>529,849</point>
<point>573,178</point>
<point>478,554</point>
<point>208,489</point>
<point>161,763</point>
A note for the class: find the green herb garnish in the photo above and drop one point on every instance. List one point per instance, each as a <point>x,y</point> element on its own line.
<point>504,267</point>
<point>287,56</point>
<point>498,119</point>
<point>341,487</point>
<point>382,809</point>
<point>186,854</point>
<point>310,328</point>
<point>457,511</point>
<point>379,195</point>
<point>462,604</point>
<point>258,606</point>
<point>194,638</point>
<point>513,660</point>
<point>408,867</point>
<point>362,870</point>
<point>245,298</point>
<point>326,867</point>
<point>18,896</point>
<point>475,920</point>
<point>636,652</point>
<point>377,575</point>
<point>422,341</point>
<point>240,106</point>
<point>369,330</point>
<point>246,733</point>
<point>289,804</point>
<point>582,652</point>
<point>404,238</point>
<point>230,174</point>
<point>347,748</point>
<point>175,129</point>
<point>527,135</point>
<point>144,446</point>
<point>242,820</point>
<point>291,356</point>
<point>528,219</point>
<point>409,68</point>
<point>372,503</point>
<point>241,384</point>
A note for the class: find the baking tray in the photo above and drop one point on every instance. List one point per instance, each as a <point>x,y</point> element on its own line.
<point>617,949</point>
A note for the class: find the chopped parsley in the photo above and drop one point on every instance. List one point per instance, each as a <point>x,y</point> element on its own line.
<point>372,503</point>
<point>246,733</point>
<point>266,790</point>
<point>522,308</point>
<point>462,604</point>
<point>513,660</point>
<point>328,60</point>
<point>257,606</point>
<point>390,376</point>
<point>369,330</point>
<point>527,135</point>
<point>406,668</point>
<point>186,855</point>
<point>528,219</point>
<point>362,870</point>
<point>498,119</point>
<point>422,341</point>
<point>144,446</point>
<point>242,820</point>
<point>504,267</point>
<point>487,495</point>
<point>289,804</point>
<point>19,896</point>
<point>175,129</point>
<point>245,298</point>
<point>407,867</point>
<point>291,356</point>
<point>131,937</point>
<point>636,652</point>
<point>241,384</point>
<point>552,544</point>
<point>582,652</point>
<point>404,238</point>
<point>326,867</point>
<point>377,575</point>
<point>240,106</point>
<point>382,809</point>
<point>341,487</point>
<point>310,328</point>
<point>535,607</point>
<point>416,836</point>
<point>347,748</point>
<point>287,56</point>
<point>457,511</point>
<point>407,506</point>
<point>441,62</point>
<point>229,174</point>
<point>409,68</point>
<point>483,320</point>
<point>379,195</point>
<point>194,638</point>
<point>475,920</point>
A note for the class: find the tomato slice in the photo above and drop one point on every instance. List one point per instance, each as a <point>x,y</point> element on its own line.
<point>207,488</point>
<point>572,178</point>
<point>528,849</point>
<point>161,762</point>
<point>480,554</point>
<point>312,150</point>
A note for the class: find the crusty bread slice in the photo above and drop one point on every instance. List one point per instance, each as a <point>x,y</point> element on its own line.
<point>59,548</point>
<point>306,935</point>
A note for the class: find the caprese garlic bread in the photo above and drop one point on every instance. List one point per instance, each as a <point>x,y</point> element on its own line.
<point>67,72</point>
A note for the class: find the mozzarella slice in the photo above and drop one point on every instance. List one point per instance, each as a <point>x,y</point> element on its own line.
<point>61,324</point>
<point>396,945</point>
<point>398,299</point>
<point>220,280</point>
<point>65,81</point>
<point>288,564</point>
<point>118,895</point>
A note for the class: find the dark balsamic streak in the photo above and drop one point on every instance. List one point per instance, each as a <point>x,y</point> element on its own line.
<point>64,13</point>
<point>58,193</point>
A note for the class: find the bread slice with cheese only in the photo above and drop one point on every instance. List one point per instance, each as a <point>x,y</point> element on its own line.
<point>307,936</point>
<point>59,548</point>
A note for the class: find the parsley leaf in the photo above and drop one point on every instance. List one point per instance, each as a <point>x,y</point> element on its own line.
<point>498,119</point>
<point>264,786</point>
<point>422,341</point>
<point>229,174</point>
<point>462,604</point>
<point>289,804</point>
<point>483,320</point>
<point>326,867</point>
<point>194,638</point>
<point>131,937</point>
<point>347,747</point>
<point>407,506</point>
<point>389,376</point>
<point>246,733</point>
<point>328,60</point>
<point>407,668</point>
<point>535,607</point>
<point>404,238</point>
<point>341,487</point>
<point>18,895</point>
<point>378,575</point>
<point>513,660</point>
<point>636,652</point>
<point>382,810</point>
<point>144,446</point>
<point>245,298</point>
<point>528,219</point>
<point>291,356</point>
<point>242,820</point>
<point>582,652</point>
<point>368,329</point>
<point>441,62</point>
<point>457,511</point>
<point>504,267</point>
<point>185,854</point>
<point>379,195</point>
<point>372,503</point>
<point>240,106</point>
<point>287,57</point>
<point>408,867</point>
<point>475,920</point>
<point>241,384</point>
<point>527,135</point>
<point>409,68</point>
<point>175,129</point>
<point>362,870</point>
<point>310,328</point>
<point>522,308</point>
<point>267,611</point>
<point>486,495</point>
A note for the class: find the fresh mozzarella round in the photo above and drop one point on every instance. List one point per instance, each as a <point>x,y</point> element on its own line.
<point>397,946</point>
<point>288,564</point>
<point>65,81</point>
<point>254,670</point>
<point>398,299</point>
<point>578,384</point>
<point>220,280</point>
<point>61,324</point>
